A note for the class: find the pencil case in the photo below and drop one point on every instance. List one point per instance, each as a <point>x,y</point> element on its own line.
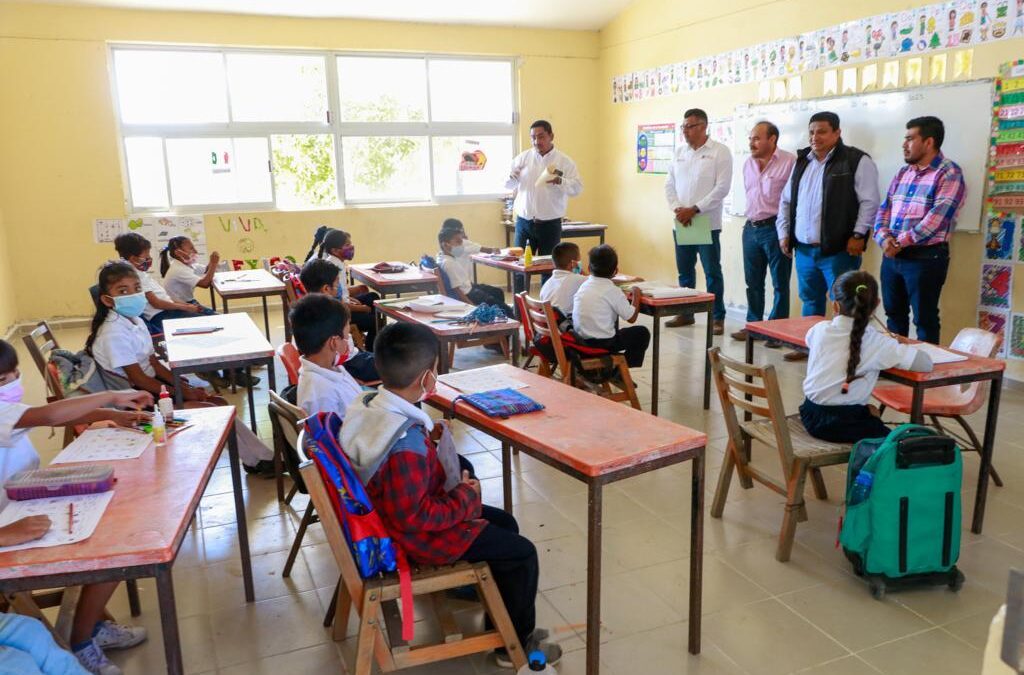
<point>60,482</point>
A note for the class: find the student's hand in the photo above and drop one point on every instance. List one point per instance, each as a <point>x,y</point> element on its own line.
<point>473,483</point>
<point>439,427</point>
<point>127,418</point>
<point>359,289</point>
<point>189,307</point>
<point>215,258</point>
<point>855,246</point>
<point>190,393</point>
<point>635,295</point>
<point>29,528</point>
<point>557,180</point>
<point>890,248</point>
<point>131,398</point>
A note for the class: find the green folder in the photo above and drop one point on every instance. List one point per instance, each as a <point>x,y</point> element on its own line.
<point>696,233</point>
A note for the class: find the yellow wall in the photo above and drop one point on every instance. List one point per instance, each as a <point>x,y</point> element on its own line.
<point>655,32</point>
<point>7,305</point>
<point>59,162</point>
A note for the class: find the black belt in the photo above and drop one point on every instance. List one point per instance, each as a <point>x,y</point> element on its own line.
<point>933,252</point>
<point>762,222</point>
<point>539,221</point>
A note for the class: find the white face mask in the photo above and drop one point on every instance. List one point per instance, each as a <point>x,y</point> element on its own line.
<point>12,392</point>
<point>424,392</point>
<point>458,251</point>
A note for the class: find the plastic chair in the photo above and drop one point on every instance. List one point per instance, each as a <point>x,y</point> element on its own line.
<point>289,356</point>
<point>954,402</point>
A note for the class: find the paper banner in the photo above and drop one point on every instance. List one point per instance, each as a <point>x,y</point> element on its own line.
<point>996,285</point>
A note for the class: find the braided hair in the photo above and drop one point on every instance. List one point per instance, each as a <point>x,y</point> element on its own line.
<point>167,252</point>
<point>857,296</point>
<point>318,239</point>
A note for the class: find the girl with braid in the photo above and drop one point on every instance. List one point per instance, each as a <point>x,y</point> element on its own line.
<point>846,355</point>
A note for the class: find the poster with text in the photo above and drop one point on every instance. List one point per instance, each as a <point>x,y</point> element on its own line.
<point>655,144</point>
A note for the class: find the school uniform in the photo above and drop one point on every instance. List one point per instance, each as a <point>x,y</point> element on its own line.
<point>365,321</point>
<point>829,414</point>
<point>153,317</point>
<point>180,281</point>
<point>459,270</point>
<point>16,450</point>
<point>325,389</point>
<point>596,307</point>
<point>560,290</point>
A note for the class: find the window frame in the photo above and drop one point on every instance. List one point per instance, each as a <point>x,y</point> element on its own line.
<point>332,126</point>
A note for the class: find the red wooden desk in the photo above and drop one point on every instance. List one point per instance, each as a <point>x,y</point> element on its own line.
<point>596,441</point>
<point>411,280</point>
<point>512,267</point>
<point>571,229</point>
<point>155,499</point>
<point>657,308</point>
<point>448,332</point>
<point>793,332</point>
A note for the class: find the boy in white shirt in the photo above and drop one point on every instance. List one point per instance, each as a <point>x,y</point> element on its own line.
<point>566,278</point>
<point>455,264</point>
<point>320,326</point>
<point>598,304</point>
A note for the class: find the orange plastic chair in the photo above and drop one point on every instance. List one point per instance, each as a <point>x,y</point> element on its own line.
<point>289,356</point>
<point>955,401</point>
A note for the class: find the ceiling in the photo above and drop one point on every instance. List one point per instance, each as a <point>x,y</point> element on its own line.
<point>564,14</point>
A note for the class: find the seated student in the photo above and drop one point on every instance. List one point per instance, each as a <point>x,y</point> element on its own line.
<point>323,277</point>
<point>135,249</point>
<point>598,304</point>
<point>121,345</point>
<point>566,278</point>
<point>454,261</point>
<point>28,648</point>
<point>846,355</point>
<point>320,325</point>
<point>337,248</point>
<point>91,633</point>
<point>472,248</point>
<point>392,445</point>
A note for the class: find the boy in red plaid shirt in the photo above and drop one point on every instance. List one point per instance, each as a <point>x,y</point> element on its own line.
<point>393,446</point>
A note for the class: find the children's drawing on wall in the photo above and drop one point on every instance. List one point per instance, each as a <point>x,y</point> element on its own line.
<point>999,239</point>
<point>994,322</point>
<point>996,285</point>
<point>1015,350</point>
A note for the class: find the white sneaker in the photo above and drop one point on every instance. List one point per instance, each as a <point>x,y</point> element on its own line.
<point>110,635</point>
<point>95,661</point>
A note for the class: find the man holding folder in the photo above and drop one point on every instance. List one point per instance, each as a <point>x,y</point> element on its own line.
<point>698,180</point>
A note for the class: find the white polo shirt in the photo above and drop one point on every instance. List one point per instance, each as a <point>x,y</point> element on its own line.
<point>16,450</point>
<point>700,178</point>
<point>829,344</point>
<point>325,389</point>
<point>459,270</point>
<point>151,285</point>
<point>561,288</point>
<point>121,342</point>
<point>180,281</point>
<point>342,275</point>
<point>596,306</point>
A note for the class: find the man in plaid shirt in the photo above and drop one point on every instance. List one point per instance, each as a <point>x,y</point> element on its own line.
<point>913,227</point>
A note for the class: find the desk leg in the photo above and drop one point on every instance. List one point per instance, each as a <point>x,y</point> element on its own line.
<point>134,606</point>
<point>514,347</point>
<point>696,548</point>
<point>179,400</point>
<point>656,360</point>
<point>226,310</point>
<point>987,449</point>
<point>266,317</point>
<point>252,402</point>
<point>709,341</point>
<point>213,299</point>
<point>285,308</point>
<point>169,620</point>
<point>601,236</point>
<point>243,527</point>
<point>594,579</point>
<point>442,357</point>
<point>506,475</point>
<point>272,374</point>
<point>916,405</point>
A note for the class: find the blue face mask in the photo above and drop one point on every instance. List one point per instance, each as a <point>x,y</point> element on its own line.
<point>130,306</point>
<point>458,251</point>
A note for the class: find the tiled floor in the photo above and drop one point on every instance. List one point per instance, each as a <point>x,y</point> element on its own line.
<point>760,616</point>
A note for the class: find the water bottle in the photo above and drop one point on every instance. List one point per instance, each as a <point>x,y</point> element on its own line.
<point>536,662</point>
<point>861,487</point>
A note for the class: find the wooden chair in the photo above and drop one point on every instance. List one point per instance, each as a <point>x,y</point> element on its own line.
<point>374,602</point>
<point>286,422</point>
<point>954,402</point>
<point>500,340</point>
<point>40,343</point>
<point>540,317</point>
<point>755,389</point>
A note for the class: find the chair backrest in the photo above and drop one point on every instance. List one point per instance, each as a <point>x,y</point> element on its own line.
<point>286,420</point>
<point>39,344</point>
<point>736,381</point>
<point>289,356</point>
<point>976,342</point>
<point>541,322</point>
<point>442,287</point>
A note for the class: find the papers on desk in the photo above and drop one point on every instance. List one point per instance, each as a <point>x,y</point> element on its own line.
<point>87,511</point>
<point>940,355</point>
<point>480,379</point>
<point>655,290</point>
<point>104,445</point>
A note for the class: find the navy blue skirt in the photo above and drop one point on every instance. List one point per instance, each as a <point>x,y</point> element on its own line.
<point>841,423</point>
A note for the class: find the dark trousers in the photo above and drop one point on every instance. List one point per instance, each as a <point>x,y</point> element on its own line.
<point>632,341</point>
<point>542,236</point>
<point>761,253</point>
<point>366,322</point>
<point>513,562</point>
<point>156,323</point>
<point>711,261</point>
<point>913,280</point>
<point>492,295</point>
<point>841,423</point>
<point>363,367</point>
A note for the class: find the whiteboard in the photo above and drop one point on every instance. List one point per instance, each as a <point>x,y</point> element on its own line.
<point>876,123</point>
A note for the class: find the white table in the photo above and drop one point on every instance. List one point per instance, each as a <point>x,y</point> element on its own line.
<point>251,284</point>
<point>239,344</point>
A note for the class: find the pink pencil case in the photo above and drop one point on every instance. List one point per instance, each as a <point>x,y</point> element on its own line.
<point>60,482</point>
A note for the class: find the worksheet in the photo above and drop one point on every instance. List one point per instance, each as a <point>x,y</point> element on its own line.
<point>480,379</point>
<point>104,445</point>
<point>72,519</point>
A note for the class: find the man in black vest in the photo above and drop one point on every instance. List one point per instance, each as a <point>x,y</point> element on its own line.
<point>826,212</point>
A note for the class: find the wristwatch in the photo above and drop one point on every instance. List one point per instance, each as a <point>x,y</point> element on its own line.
<point>858,236</point>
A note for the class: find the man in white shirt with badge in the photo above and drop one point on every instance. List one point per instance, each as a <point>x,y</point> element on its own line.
<point>699,178</point>
<point>544,178</point>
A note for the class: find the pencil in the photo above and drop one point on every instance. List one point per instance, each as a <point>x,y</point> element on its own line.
<point>71,515</point>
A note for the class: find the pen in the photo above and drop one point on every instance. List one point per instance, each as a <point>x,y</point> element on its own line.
<point>71,515</point>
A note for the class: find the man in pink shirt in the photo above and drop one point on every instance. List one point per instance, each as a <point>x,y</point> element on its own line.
<point>765,174</point>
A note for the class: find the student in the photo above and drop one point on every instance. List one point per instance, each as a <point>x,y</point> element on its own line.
<point>337,248</point>
<point>598,304</point>
<point>392,444</point>
<point>322,277</point>
<point>320,326</point>
<point>472,248</point>
<point>135,249</point>
<point>454,262</point>
<point>28,648</point>
<point>565,280</point>
<point>120,344</point>
<point>846,355</point>
<point>91,633</point>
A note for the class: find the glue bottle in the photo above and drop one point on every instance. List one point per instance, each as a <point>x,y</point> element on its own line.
<point>159,428</point>
<point>528,256</point>
<point>165,404</point>
<point>537,663</point>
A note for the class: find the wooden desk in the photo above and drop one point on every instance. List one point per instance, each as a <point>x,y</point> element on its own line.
<point>793,332</point>
<point>412,280</point>
<point>239,344</point>
<point>449,333</point>
<point>251,284</point>
<point>155,499</point>
<point>598,442</point>
<point>512,267</point>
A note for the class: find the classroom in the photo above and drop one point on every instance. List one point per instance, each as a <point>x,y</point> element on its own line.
<point>605,336</point>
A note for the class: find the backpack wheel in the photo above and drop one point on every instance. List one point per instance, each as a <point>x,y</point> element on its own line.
<point>956,580</point>
<point>877,588</point>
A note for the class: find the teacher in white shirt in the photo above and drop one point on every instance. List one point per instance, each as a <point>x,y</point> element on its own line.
<point>698,180</point>
<point>544,178</point>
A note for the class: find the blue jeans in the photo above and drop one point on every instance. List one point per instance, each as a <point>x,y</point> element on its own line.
<point>542,236</point>
<point>761,253</point>
<point>711,261</point>
<point>915,283</point>
<point>815,274</point>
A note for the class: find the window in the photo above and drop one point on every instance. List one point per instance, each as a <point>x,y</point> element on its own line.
<point>205,128</point>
